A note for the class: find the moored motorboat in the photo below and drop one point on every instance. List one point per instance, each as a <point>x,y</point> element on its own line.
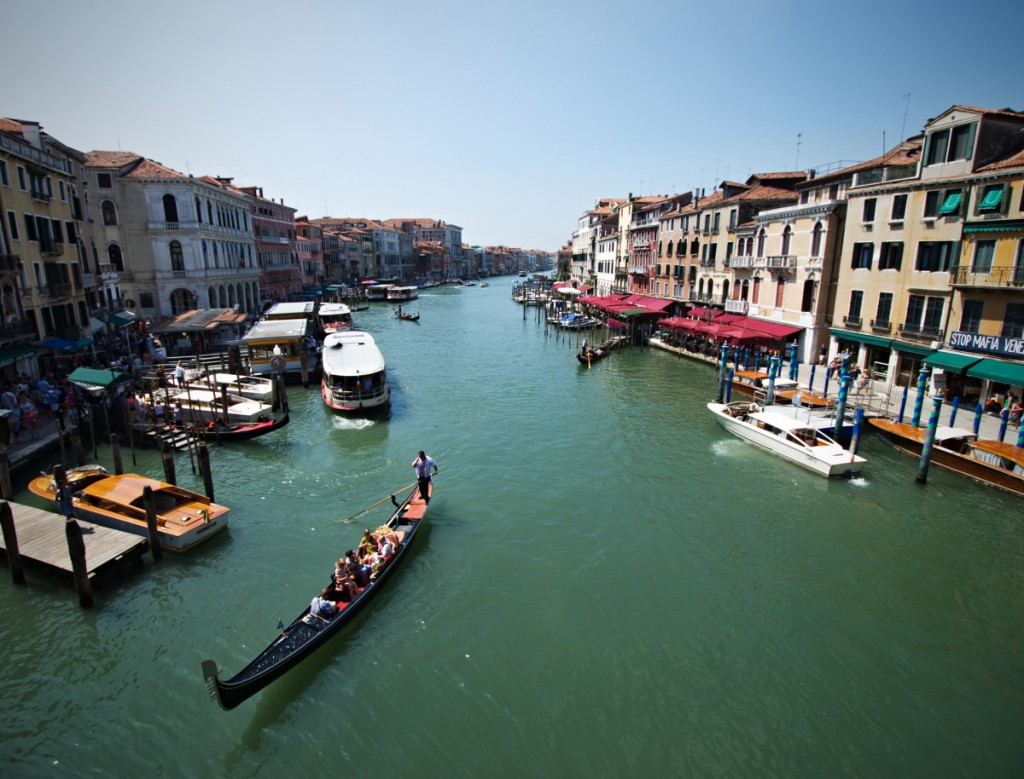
<point>989,461</point>
<point>354,376</point>
<point>258,388</point>
<point>208,405</point>
<point>789,438</point>
<point>183,518</point>
<point>308,632</point>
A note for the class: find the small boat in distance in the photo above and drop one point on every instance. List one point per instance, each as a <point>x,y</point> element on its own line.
<point>401,294</point>
<point>334,317</point>
<point>309,631</point>
<point>996,463</point>
<point>789,438</point>
<point>354,375</point>
<point>377,292</point>
<point>407,316</point>
<point>183,518</point>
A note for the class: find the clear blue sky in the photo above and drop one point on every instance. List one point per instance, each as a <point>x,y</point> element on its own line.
<point>507,119</point>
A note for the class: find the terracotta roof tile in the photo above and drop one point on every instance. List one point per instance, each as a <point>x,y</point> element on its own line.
<point>765,192</point>
<point>1015,160</point>
<point>1009,112</point>
<point>148,169</point>
<point>10,125</point>
<point>110,159</point>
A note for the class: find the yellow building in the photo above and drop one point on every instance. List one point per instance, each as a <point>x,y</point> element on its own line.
<point>921,242</point>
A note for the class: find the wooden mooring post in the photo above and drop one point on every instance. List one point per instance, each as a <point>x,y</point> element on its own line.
<point>115,452</point>
<point>80,571</point>
<point>203,455</point>
<point>11,543</point>
<point>167,456</point>
<point>149,504</point>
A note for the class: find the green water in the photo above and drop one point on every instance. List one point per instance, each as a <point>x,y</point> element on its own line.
<point>609,585</point>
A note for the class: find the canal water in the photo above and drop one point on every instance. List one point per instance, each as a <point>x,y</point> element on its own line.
<point>609,585</point>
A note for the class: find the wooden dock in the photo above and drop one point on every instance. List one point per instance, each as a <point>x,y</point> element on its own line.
<point>42,539</point>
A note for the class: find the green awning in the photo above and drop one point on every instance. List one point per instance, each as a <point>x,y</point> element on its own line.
<point>90,378</point>
<point>951,361</point>
<point>920,351</point>
<point>864,338</point>
<point>991,200</point>
<point>118,321</point>
<point>12,355</point>
<point>635,312</point>
<point>1001,226</point>
<point>999,370</point>
<point>951,204</point>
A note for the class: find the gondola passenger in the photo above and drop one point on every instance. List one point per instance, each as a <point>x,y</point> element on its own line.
<point>322,606</point>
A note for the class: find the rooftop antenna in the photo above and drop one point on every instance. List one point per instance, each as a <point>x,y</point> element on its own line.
<point>906,108</point>
<point>799,140</point>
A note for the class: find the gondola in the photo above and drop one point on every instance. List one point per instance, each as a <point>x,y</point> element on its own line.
<point>241,432</point>
<point>588,356</point>
<point>407,316</point>
<point>309,632</point>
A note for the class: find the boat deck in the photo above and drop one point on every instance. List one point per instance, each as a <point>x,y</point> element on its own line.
<point>42,539</point>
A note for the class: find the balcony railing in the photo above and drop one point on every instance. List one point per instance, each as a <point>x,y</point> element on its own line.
<point>51,248</point>
<point>994,277</point>
<point>745,261</point>
<point>891,173</point>
<point>920,331</point>
<point>8,262</point>
<point>881,324</point>
<point>38,194</point>
<point>852,321</point>
<point>707,297</point>
<point>737,306</point>
<point>781,261</point>
<point>707,263</point>
<point>59,290</point>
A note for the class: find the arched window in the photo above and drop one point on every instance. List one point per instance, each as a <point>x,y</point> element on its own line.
<point>109,212</point>
<point>816,240</point>
<point>810,287</point>
<point>170,208</point>
<point>115,257</point>
<point>681,247</point>
<point>669,248</point>
<point>206,256</point>
<point>725,289</point>
<point>745,290</point>
<point>786,233</point>
<point>694,247</point>
<point>760,243</point>
<point>216,258</point>
<point>780,292</point>
<point>199,210</point>
<point>177,257</point>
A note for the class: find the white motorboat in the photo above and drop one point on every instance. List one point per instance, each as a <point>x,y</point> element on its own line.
<point>790,438</point>
<point>258,388</point>
<point>334,317</point>
<point>401,294</point>
<point>354,376</point>
<point>208,406</point>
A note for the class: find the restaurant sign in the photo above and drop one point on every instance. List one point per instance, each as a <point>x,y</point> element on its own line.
<point>989,344</point>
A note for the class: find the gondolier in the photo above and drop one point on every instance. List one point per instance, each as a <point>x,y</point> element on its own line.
<point>422,465</point>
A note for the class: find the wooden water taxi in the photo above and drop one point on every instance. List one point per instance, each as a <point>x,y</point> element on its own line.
<point>183,518</point>
<point>991,462</point>
<point>309,631</point>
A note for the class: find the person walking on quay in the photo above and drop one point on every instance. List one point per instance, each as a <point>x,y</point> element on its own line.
<point>423,465</point>
<point>179,374</point>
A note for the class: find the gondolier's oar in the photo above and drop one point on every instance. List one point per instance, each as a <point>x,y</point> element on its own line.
<point>396,492</point>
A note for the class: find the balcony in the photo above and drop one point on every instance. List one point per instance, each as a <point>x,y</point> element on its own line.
<point>737,306</point>
<point>638,269</point>
<point>51,248</point>
<point>781,261</point>
<point>707,263</point>
<point>746,261</point>
<point>38,194</point>
<point>930,332</point>
<point>994,277</point>
<point>852,321</point>
<point>707,297</point>
<point>59,291</point>
<point>271,239</point>
<point>731,228</point>
<point>891,173</point>
<point>706,231</point>
<point>881,324</point>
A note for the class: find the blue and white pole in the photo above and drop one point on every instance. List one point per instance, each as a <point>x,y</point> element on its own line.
<point>922,386</point>
<point>929,440</point>
<point>903,405</point>
<point>954,407</point>
<point>977,418</point>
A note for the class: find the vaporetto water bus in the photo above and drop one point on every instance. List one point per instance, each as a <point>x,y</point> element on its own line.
<point>354,375</point>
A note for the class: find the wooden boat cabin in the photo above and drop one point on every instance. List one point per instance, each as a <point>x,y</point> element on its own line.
<point>290,339</point>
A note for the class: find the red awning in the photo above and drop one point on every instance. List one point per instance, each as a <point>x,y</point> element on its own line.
<point>775,329</point>
<point>704,313</point>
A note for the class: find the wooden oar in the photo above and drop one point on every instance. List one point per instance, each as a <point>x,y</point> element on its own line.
<point>372,505</point>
